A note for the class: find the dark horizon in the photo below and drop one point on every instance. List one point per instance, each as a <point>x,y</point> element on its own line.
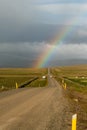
<point>69,62</point>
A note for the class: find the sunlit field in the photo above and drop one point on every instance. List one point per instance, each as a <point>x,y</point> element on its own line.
<point>74,76</point>
<point>9,77</point>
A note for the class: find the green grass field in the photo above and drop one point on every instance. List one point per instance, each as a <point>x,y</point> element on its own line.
<point>38,83</point>
<point>9,77</point>
<point>74,76</point>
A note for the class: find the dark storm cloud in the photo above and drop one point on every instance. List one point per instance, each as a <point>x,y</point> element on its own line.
<point>31,33</point>
<point>18,55</point>
<point>42,32</point>
<point>26,54</point>
<point>15,17</point>
<point>20,21</point>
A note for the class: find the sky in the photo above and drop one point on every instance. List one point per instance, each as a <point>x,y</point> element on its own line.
<point>27,28</point>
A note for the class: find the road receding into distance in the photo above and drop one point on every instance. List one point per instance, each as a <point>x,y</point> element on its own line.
<point>35,108</point>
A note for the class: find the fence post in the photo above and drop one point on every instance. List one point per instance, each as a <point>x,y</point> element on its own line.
<point>65,86</point>
<point>16,85</point>
<point>74,121</point>
<point>62,81</point>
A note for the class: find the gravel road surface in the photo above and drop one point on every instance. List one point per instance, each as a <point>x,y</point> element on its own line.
<point>35,108</point>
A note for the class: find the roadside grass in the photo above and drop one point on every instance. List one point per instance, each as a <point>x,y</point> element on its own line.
<point>79,81</point>
<point>38,83</point>
<point>76,86</point>
<point>10,76</point>
<point>74,76</point>
<point>9,82</point>
<point>76,79</point>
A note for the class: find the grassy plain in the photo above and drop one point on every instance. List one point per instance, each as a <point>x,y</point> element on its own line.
<point>38,83</point>
<point>74,76</point>
<point>9,76</point>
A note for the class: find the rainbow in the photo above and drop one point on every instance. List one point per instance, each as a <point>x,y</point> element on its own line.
<point>46,55</point>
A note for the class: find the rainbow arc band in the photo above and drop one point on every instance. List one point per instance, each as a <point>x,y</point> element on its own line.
<point>47,54</point>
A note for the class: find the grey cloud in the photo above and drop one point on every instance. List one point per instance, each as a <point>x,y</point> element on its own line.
<point>15,17</point>
<point>76,35</point>
<point>20,22</point>
<point>59,1</point>
<point>18,55</point>
<point>42,32</point>
<point>67,62</point>
<point>30,33</point>
<point>16,10</point>
<point>26,54</point>
<point>65,54</point>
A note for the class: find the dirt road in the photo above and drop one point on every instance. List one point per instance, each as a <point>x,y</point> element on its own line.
<point>35,109</point>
